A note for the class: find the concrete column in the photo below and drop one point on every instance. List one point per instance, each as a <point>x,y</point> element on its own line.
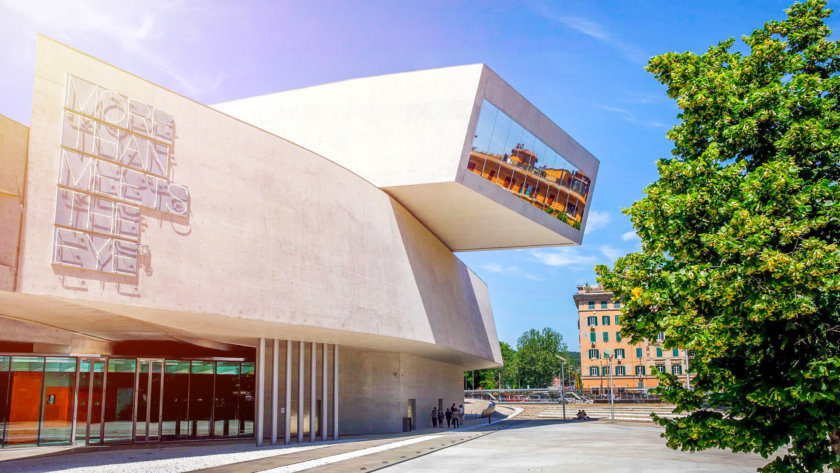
<point>260,391</point>
<point>324,399</point>
<point>275,374</point>
<point>335,392</point>
<point>313,384</point>
<point>301,375</point>
<point>288,418</point>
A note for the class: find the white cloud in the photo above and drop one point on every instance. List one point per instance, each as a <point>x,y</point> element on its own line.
<point>611,252</point>
<point>136,28</point>
<point>629,236</point>
<point>628,116</point>
<point>593,30</point>
<point>511,271</point>
<point>563,257</point>
<point>597,220</point>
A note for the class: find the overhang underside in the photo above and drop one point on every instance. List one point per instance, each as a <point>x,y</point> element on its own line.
<point>118,323</point>
<point>473,221</point>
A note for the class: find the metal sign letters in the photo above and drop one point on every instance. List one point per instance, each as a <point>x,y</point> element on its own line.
<point>114,159</point>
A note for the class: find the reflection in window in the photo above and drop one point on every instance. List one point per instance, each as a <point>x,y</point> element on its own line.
<point>506,154</point>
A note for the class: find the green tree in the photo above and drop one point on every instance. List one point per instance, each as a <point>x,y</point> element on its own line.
<point>536,360</point>
<point>740,259</point>
<point>489,378</point>
<point>509,370</point>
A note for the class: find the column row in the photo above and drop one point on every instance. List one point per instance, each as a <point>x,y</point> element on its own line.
<point>297,391</point>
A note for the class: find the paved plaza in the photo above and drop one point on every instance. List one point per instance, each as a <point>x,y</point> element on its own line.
<point>519,444</point>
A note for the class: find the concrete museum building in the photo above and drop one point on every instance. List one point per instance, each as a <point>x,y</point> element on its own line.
<point>279,267</point>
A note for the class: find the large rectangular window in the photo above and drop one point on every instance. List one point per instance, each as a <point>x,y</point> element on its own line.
<point>617,320</point>
<point>605,320</point>
<point>618,336</point>
<point>226,409</point>
<point>619,352</point>
<point>591,305</point>
<point>119,399</point>
<point>603,304</point>
<point>676,369</point>
<point>592,337</point>
<point>640,370</point>
<point>593,371</point>
<point>617,305</point>
<point>638,352</point>
<point>4,396</point>
<point>246,400</point>
<point>511,157</point>
<point>57,403</point>
<point>659,353</point>
<point>176,387</point>
<point>201,398</point>
<point>619,371</point>
<point>592,321</point>
<point>675,352</point>
<point>593,354</point>
<point>27,378</point>
<point>606,336</point>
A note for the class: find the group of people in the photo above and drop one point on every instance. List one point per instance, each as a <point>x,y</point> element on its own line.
<point>582,415</point>
<point>454,416</point>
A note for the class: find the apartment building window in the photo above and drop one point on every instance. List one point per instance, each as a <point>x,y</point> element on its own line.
<point>593,371</point>
<point>593,320</point>
<point>605,320</point>
<point>640,370</point>
<point>619,371</point>
<point>638,352</point>
<point>619,352</point>
<point>617,321</point>
<point>675,352</point>
<point>618,336</point>
<point>676,369</point>
<point>591,305</point>
<point>616,305</point>
<point>605,336</point>
<point>593,354</point>
<point>592,337</point>
<point>659,353</point>
<point>661,368</point>
<point>661,336</point>
<point>603,304</point>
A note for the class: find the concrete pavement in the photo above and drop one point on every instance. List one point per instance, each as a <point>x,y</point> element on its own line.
<point>552,446</point>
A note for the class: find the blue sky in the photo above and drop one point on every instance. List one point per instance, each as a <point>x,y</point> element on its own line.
<point>581,63</point>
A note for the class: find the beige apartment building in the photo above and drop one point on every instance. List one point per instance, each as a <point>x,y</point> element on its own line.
<point>599,322</point>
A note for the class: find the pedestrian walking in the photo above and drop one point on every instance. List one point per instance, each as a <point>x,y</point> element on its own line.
<point>455,418</point>
<point>461,414</point>
<point>448,415</point>
<point>434,417</point>
<point>440,418</point>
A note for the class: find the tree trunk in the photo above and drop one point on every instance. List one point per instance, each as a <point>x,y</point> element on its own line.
<point>834,437</point>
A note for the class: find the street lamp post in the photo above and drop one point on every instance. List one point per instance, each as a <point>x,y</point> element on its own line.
<point>612,396</point>
<point>687,376</point>
<point>562,383</point>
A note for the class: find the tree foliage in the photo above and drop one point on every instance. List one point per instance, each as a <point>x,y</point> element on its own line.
<point>532,366</point>
<point>740,259</point>
<point>536,356</point>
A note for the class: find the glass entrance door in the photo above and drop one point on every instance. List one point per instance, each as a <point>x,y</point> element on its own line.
<point>148,403</point>
<point>89,405</point>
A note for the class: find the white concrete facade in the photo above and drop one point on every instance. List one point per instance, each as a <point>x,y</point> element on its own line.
<point>262,243</point>
<point>410,134</point>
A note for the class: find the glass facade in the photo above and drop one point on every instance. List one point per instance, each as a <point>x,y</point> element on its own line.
<point>122,399</point>
<point>508,155</point>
